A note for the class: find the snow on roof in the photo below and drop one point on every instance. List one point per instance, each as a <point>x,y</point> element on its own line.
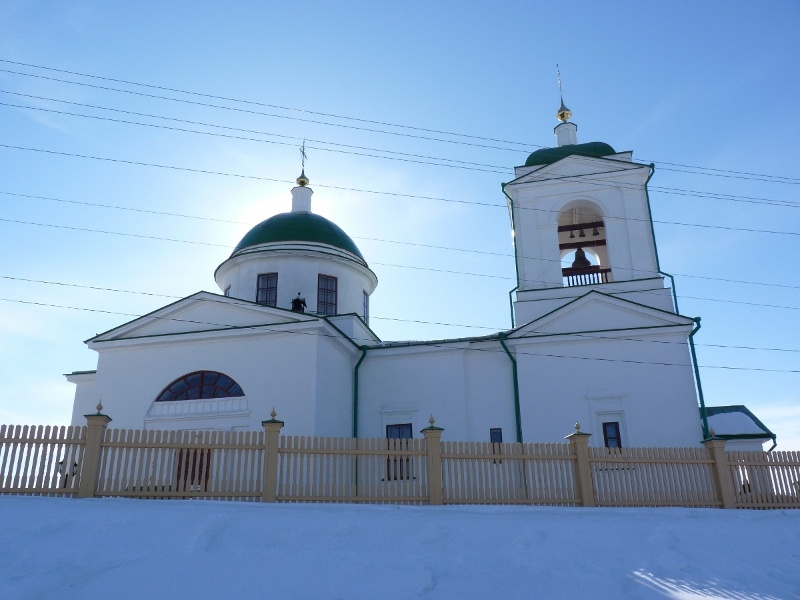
<point>736,421</point>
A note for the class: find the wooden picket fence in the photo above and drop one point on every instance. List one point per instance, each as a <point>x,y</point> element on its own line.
<point>94,461</point>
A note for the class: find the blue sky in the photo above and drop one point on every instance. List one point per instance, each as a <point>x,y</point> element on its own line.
<point>708,85</point>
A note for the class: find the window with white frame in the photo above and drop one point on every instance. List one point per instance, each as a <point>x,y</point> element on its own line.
<point>365,308</point>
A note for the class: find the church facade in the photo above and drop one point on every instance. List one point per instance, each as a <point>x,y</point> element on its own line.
<point>598,341</point>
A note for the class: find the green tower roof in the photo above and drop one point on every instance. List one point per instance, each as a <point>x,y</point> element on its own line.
<point>547,156</point>
<point>298,227</point>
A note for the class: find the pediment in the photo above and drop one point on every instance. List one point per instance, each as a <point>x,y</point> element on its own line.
<point>596,311</point>
<point>202,311</point>
<point>577,165</point>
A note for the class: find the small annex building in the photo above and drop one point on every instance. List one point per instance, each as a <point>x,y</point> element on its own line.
<point>223,361</point>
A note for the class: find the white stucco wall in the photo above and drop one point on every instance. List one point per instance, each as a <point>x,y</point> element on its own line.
<point>86,396</point>
<point>466,386</point>
<point>618,197</point>
<point>647,386</point>
<point>298,267</point>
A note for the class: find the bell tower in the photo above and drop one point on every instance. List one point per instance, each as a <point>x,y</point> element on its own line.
<point>580,217</point>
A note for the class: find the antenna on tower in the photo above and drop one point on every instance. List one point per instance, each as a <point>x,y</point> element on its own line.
<point>563,113</point>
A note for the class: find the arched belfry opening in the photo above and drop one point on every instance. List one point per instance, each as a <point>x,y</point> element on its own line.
<point>583,246</point>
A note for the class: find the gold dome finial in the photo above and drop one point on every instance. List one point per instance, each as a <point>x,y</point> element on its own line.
<point>563,113</point>
<point>302,181</point>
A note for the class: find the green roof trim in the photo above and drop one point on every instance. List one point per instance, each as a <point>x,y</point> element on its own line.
<point>298,227</point>
<point>547,156</point>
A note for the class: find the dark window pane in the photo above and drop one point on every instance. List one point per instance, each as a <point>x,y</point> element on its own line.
<point>267,289</point>
<point>200,384</point>
<point>326,295</point>
<point>611,435</point>
<point>401,431</point>
<point>496,435</point>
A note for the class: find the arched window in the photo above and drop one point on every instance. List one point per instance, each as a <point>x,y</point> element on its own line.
<point>200,384</point>
<point>582,246</point>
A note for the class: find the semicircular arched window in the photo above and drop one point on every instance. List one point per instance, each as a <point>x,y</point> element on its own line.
<point>201,385</point>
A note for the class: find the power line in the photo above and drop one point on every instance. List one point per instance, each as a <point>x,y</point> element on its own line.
<point>401,156</point>
<point>438,343</point>
<point>248,139</point>
<point>211,244</point>
<point>288,108</point>
<point>582,178</point>
<point>261,113</point>
<point>172,297</point>
<point>714,171</point>
<point>226,127</point>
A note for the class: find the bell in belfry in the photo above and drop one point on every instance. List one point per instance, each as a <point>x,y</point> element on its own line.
<point>581,262</point>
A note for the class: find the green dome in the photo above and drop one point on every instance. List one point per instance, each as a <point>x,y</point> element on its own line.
<point>547,156</point>
<point>298,227</point>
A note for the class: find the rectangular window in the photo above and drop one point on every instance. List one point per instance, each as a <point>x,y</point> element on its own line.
<point>366,308</point>
<point>611,434</point>
<point>326,295</point>
<point>398,467</point>
<point>496,435</point>
<point>267,289</point>
<point>228,291</point>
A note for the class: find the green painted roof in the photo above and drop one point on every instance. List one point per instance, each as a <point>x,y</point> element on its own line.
<point>298,227</point>
<point>547,156</point>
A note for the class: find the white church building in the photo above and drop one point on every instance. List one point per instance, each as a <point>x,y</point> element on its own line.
<point>599,342</point>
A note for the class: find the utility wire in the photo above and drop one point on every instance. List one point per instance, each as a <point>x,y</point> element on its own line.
<point>211,244</point>
<point>582,178</point>
<point>172,297</point>
<point>472,166</point>
<point>438,343</point>
<point>714,171</point>
<point>264,104</point>
<point>261,113</point>
<point>216,126</point>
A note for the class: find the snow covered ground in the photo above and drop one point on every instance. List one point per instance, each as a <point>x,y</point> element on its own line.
<point>119,549</point>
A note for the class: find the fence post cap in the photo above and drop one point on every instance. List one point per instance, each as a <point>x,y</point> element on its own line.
<point>98,418</point>
<point>272,414</point>
<point>431,427</point>
<point>578,434</point>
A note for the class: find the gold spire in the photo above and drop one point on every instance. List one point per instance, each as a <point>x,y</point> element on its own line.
<point>563,113</point>
<point>302,181</point>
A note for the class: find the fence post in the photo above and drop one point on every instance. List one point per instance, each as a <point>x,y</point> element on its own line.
<point>433,456</point>
<point>90,462</point>
<point>720,472</point>
<point>579,444</point>
<point>272,435</point>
